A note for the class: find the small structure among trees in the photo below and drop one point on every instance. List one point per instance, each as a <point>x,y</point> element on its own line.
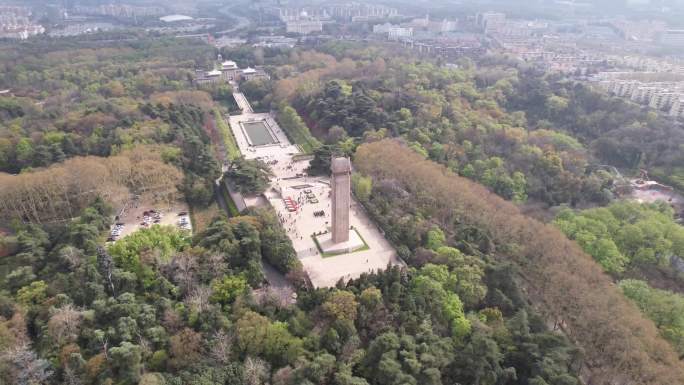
<point>250,176</point>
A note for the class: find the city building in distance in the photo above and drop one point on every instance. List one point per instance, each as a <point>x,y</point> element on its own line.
<point>229,71</point>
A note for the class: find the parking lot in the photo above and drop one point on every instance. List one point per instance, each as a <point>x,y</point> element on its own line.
<point>143,214</point>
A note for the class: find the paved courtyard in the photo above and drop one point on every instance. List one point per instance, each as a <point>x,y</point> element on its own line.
<point>291,181</point>
<point>301,225</point>
<point>282,151</point>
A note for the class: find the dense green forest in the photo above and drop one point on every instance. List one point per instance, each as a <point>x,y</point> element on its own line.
<point>83,98</point>
<point>519,132</point>
<point>445,114</point>
<point>565,285</point>
<point>155,301</point>
<point>626,235</point>
<point>618,132</point>
<point>489,296</point>
<point>640,242</point>
<point>525,135</point>
<point>125,102</point>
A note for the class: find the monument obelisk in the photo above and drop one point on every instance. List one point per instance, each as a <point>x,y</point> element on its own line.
<point>340,183</point>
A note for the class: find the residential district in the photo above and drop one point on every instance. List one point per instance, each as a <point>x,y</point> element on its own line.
<point>638,59</point>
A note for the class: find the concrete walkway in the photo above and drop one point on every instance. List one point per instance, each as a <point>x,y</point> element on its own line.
<point>278,286</point>
<point>242,102</point>
<point>326,271</point>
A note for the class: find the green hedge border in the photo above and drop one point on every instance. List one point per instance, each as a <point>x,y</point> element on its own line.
<point>333,254</point>
<point>232,208</point>
<point>229,142</point>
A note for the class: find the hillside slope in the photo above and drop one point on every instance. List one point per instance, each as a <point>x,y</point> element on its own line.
<point>621,346</point>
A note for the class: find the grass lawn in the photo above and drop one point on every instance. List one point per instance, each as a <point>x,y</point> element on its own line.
<point>232,149</point>
<point>296,130</point>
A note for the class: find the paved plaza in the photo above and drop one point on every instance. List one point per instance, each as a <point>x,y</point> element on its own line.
<point>311,195</point>
<point>282,151</point>
<point>301,225</point>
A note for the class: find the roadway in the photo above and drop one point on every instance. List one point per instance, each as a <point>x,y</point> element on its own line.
<point>242,22</point>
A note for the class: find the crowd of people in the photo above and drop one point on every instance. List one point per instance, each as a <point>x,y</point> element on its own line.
<point>304,196</point>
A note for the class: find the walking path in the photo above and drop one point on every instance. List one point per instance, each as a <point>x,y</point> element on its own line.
<point>242,102</point>
<point>278,286</point>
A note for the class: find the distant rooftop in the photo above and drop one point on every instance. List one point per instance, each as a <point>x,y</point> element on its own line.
<point>174,18</point>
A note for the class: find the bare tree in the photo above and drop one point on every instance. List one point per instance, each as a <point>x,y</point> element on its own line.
<point>172,320</point>
<point>102,338</point>
<point>216,264</point>
<point>184,267</point>
<point>71,377</point>
<point>283,376</point>
<point>256,371</point>
<point>220,351</point>
<point>199,298</point>
<point>24,367</point>
<point>64,323</point>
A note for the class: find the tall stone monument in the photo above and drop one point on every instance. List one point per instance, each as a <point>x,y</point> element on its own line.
<point>340,183</point>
